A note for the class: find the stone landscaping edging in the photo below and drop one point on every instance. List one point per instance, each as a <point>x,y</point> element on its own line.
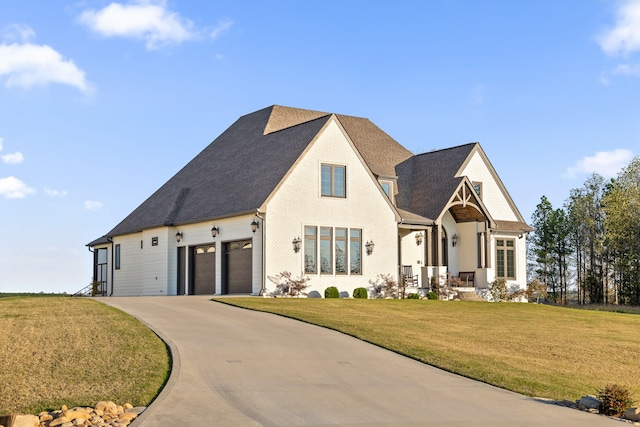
<point>104,414</point>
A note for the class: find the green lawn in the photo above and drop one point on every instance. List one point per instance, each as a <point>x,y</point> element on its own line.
<point>58,350</point>
<point>537,350</point>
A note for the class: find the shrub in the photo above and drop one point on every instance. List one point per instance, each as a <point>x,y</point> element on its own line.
<point>432,295</point>
<point>413,296</point>
<point>616,399</point>
<point>286,284</point>
<point>331,292</point>
<point>384,286</point>
<point>498,290</point>
<point>360,293</point>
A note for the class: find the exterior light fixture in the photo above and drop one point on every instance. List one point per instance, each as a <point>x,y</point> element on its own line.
<point>454,240</point>
<point>178,236</point>
<point>419,237</point>
<point>254,225</point>
<point>296,244</point>
<point>369,247</point>
<point>214,231</point>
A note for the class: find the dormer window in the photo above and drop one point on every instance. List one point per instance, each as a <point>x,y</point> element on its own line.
<point>387,187</point>
<point>333,181</point>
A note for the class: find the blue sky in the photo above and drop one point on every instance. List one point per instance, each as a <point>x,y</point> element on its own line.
<point>102,102</point>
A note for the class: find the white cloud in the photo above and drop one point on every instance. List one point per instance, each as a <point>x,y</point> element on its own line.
<point>26,65</point>
<point>12,188</point>
<point>55,193</point>
<point>624,37</point>
<point>92,205</point>
<point>147,20</point>
<point>627,70</point>
<point>13,158</point>
<point>606,163</point>
<point>221,28</point>
<point>19,32</point>
<point>1,141</point>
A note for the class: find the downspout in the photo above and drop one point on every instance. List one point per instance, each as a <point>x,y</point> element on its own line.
<point>264,257</point>
<point>110,240</point>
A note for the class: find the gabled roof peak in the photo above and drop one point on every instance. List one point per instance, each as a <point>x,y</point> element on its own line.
<point>457,147</point>
<point>286,117</point>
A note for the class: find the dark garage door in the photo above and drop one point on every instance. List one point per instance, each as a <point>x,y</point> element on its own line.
<point>203,279</point>
<point>238,257</point>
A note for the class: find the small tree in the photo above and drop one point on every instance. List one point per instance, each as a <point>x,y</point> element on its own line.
<point>615,399</point>
<point>286,284</point>
<point>384,286</point>
<point>536,289</point>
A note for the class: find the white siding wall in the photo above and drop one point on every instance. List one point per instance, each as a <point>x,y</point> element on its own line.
<point>492,196</point>
<point>298,203</point>
<point>154,262</point>
<point>128,279</point>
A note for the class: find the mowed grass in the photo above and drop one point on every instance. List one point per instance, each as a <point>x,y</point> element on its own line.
<point>537,350</point>
<point>58,351</point>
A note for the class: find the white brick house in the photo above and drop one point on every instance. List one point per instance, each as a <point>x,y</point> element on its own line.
<point>286,189</point>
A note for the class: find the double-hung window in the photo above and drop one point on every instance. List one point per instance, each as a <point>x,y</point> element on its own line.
<point>506,258</point>
<point>333,181</point>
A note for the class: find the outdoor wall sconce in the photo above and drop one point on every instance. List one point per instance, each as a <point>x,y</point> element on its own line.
<point>419,237</point>
<point>369,247</point>
<point>454,240</point>
<point>214,231</point>
<point>178,236</point>
<point>254,225</point>
<point>296,244</point>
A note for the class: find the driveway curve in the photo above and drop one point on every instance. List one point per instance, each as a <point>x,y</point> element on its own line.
<point>235,367</point>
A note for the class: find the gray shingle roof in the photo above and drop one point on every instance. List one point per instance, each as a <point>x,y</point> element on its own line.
<point>232,175</point>
<point>427,181</point>
<point>236,173</point>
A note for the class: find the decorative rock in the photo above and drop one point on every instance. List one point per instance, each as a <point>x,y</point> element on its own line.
<point>59,421</point>
<point>632,414</point>
<point>20,421</point>
<point>589,403</point>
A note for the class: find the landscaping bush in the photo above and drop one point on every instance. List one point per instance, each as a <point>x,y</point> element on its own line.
<point>432,295</point>
<point>360,293</point>
<point>413,296</point>
<point>288,285</point>
<point>615,399</point>
<point>384,286</point>
<point>498,290</point>
<point>331,292</point>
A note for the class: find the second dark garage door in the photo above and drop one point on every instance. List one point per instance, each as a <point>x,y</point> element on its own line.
<point>237,267</point>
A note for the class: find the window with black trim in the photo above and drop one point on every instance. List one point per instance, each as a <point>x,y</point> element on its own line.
<point>117,257</point>
<point>154,241</point>
<point>333,181</point>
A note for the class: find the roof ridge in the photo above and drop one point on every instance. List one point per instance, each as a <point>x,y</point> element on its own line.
<point>438,150</point>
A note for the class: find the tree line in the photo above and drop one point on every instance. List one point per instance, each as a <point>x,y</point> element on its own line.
<point>592,244</point>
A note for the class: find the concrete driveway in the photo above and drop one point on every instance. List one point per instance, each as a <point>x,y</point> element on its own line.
<point>235,367</point>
